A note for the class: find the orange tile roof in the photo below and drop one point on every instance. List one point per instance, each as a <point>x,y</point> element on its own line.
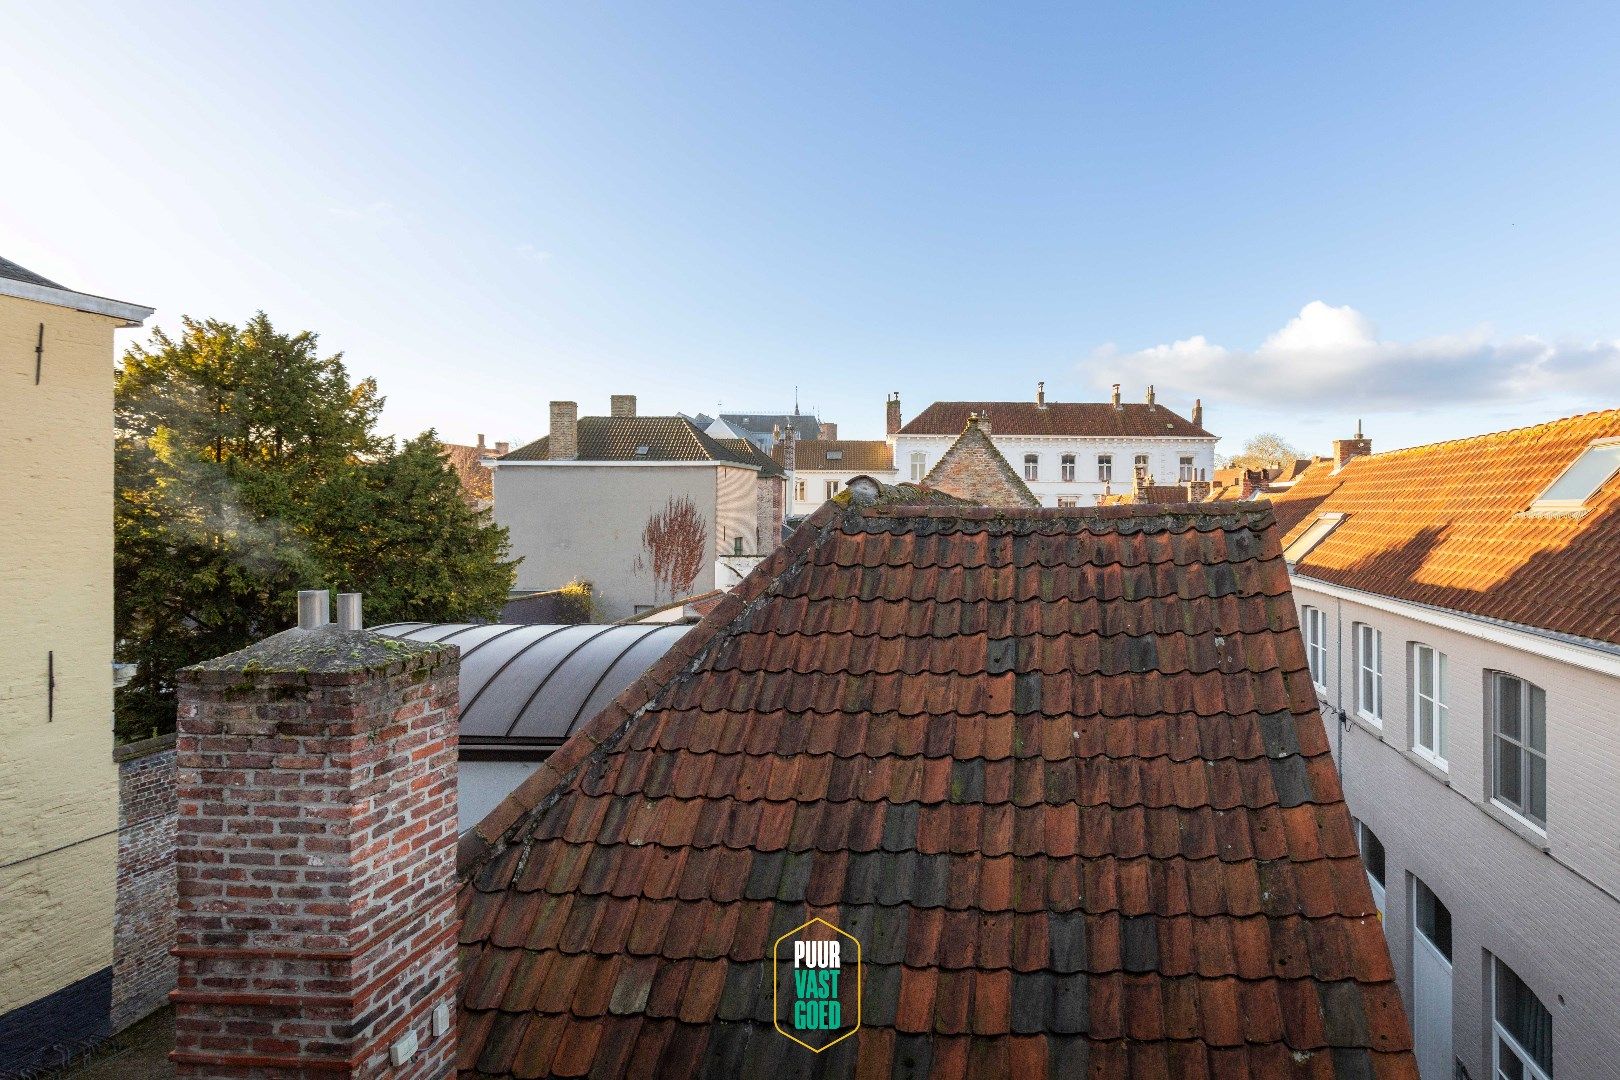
<point>1061,772</point>
<point>854,455</point>
<point>1446,525</point>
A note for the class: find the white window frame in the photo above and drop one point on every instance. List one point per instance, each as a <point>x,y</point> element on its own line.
<point>1105,468</point>
<point>1068,501</point>
<point>1066,468</point>
<point>832,487</point>
<point>798,490</point>
<point>1500,1035</point>
<point>1032,467</point>
<point>1430,660</point>
<point>1368,641</point>
<point>1543,504</point>
<point>1313,622</point>
<point>1522,745</point>
<point>1380,889</point>
<point>919,466</point>
<point>1186,469</point>
<point>1141,462</point>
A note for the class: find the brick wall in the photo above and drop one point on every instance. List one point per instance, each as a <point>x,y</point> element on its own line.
<point>143,921</point>
<point>316,855</point>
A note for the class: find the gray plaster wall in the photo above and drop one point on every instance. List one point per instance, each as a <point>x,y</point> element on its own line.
<point>1545,904</point>
<point>585,521</point>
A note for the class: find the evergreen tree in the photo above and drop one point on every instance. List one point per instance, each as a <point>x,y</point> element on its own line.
<point>248,468</point>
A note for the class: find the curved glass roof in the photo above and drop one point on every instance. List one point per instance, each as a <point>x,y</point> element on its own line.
<point>533,684</point>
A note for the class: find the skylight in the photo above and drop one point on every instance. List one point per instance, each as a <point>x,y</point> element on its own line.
<point>1307,540</point>
<point>1581,480</point>
<point>641,451</point>
<point>835,455</point>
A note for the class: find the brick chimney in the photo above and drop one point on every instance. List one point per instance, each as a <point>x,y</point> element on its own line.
<point>1346,450</point>
<point>1198,413</point>
<point>316,852</point>
<point>480,441</point>
<point>1040,395</point>
<point>1150,396</point>
<point>788,437</point>
<point>1116,396</point>
<point>564,442</point>
<point>622,405</point>
<point>502,449</point>
<point>892,407</point>
<point>827,432</point>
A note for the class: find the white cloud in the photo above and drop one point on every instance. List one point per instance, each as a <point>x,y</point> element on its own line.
<point>1333,357</point>
<point>533,254</point>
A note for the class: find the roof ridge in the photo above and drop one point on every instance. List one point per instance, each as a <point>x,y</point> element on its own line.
<point>1614,412</point>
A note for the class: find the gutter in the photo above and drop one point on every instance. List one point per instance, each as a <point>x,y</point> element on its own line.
<point>132,314</point>
<point>1598,656</point>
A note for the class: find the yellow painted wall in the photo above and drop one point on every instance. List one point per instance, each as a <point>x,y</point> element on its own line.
<point>58,783</point>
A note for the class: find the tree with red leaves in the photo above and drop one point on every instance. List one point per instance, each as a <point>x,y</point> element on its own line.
<point>676,542</point>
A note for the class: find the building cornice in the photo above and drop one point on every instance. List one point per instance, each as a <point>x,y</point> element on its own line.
<point>1597,656</point>
<point>502,463</point>
<point>131,314</point>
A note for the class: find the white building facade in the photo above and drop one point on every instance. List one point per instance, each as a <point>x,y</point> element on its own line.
<point>1068,453</point>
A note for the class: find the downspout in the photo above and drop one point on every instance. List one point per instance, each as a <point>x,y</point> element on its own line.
<point>1338,678</point>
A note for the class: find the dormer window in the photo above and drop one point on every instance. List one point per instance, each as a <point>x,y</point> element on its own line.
<point>1307,540</point>
<point>1580,481</point>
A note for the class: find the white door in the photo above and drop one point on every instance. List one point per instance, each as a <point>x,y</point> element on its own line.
<point>1431,1006</point>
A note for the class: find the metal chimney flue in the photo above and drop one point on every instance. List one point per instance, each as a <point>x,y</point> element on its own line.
<point>314,608</point>
<point>349,611</point>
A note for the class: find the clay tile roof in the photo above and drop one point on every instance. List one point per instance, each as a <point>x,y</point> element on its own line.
<point>1448,525</point>
<point>618,438</point>
<point>1078,418</point>
<point>854,455</point>
<point>1061,772</point>
<point>974,470</point>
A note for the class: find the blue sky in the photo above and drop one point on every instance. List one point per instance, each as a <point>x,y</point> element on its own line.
<point>1304,214</point>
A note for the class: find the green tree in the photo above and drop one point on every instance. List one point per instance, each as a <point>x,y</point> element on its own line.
<point>248,468</point>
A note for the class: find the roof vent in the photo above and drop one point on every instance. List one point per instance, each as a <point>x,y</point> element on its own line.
<point>864,490</point>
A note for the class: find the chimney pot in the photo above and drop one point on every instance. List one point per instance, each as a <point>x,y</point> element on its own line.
<point>1150,394</point>
<point>622,405</point>
<point>564,437</point>
<point>1116,395</point>
<point>1040,395</point>
<point>348,606</point>
<point>314,609</point>
<point>1198,412</point>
